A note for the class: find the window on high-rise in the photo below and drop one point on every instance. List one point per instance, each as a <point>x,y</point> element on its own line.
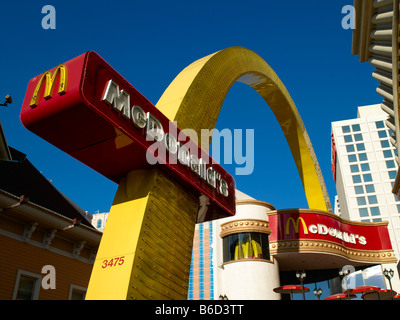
<point>379,124</point>
<point>356,178</point>
<point>392,174</point>
<point>382,134</point>
<point>346,129</point>
<point>387,153</point>
<point>385,144</point>
<point>361,201</point>
<point>358,137</point>
<point>369,188</point>
<point>375,211</point>
<point>363,212</point>
<point>350,148</point>
<point>356,127</point>
<point>367,177</point>
<point>365,167</point>
<point>348,139</point>
<point>390,164</point>
<point>359,189</point>
<point>372,200</point>
<point>352,158</point>
<point>362,157</point>
<point>360,147</point>
<point>354,168</point>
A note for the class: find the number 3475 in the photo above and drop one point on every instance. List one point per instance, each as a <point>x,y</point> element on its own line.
<point>113,262</point>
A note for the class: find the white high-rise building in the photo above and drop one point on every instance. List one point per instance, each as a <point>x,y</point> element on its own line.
<point>364,166</point>
<point>99,220</point>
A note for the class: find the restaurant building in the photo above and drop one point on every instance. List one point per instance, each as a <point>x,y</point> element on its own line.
<point>261,251</point>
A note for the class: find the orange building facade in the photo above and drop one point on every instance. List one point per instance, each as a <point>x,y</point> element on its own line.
<point>22,273</point>
<point>47,244</point>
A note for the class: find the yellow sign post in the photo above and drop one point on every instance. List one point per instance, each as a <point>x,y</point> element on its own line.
<point>145,251</point>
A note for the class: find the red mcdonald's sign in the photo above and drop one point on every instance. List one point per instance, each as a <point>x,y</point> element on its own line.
<point>334,157</point>
<point>307,224</point>
<point>97,117</point>
<point>317,233</point>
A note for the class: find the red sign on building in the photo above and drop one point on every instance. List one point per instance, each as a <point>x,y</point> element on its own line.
<point>307,224</point>
<point>334,157</point>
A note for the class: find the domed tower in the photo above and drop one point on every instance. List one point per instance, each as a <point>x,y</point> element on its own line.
<point>231,256</point>
<point>246,270</point>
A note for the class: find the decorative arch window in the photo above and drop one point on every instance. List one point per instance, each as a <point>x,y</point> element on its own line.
<point>246,245</point>
<point>245,239</point>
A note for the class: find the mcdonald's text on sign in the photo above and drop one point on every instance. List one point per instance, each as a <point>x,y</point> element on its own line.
<point>120,101</point>
<point>322,229</point>
<point>336,233</point>
<point>88,110</point>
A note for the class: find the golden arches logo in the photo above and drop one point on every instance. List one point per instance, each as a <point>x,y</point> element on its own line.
<point>49,79</point>
<point>206,83</point>
<point>296,225</point>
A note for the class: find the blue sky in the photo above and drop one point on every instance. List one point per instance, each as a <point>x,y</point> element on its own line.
<point>150,42</point>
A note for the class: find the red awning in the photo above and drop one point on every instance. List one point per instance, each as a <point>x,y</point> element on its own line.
<point>384,294</point>
<point>291,289</point>
<point>363,289</point>
<point>341,296</point>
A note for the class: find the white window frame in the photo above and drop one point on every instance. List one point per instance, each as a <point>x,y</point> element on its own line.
<point>73,287</point>
<point>36,289</point>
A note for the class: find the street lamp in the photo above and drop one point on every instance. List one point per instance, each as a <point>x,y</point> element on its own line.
<point>300,276</point>
<point>317,292</point>
<point>343,274</point>
<point>7,101</point>
<point>389,275</point>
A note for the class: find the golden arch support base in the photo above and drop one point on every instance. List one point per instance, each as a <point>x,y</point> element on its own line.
<point>145,251</point>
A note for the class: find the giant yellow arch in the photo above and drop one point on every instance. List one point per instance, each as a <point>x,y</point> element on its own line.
<point>148,232</point>
<point>195,97</point>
